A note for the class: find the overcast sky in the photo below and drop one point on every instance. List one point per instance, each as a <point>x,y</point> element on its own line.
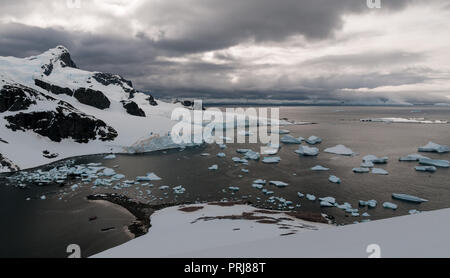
<point>291,49</point>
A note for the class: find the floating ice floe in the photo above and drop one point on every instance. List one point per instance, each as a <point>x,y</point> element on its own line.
<point>361,170</point>
<point>434,162</point>
<point>270,149</point>
<point>43,197</point>
<point>365,214</point>
<point>288,139</point>
<point>239,160</point>
<point>367,164</point>
<point>108,172</point>
<point>110,156</point>
<point>222,146</point>
<point>204,154</point>
<point>340,149</point>
<point>312,140</point>
<point>310,197</point>
<point>259,181</point>
<point>404,120</point>
<point>244,170</point>
<point>375,160</point>
<point>252,155</point>
<point>307,151</point>
<point>412,157</point>
<point>271,159</point>
<point>379,171</point>
<point>233,188</point>
<point>179,189</point>
<point>370,203</point>
<point>221,155</point>
<point>163,187</point>
<point>278,183</point>
<point>257,186</point>
<point>326,204</point>
<point>334,179</point>
<point>214,167</point>
<point>409,198</point>
<point>414,211</point>
<point>148,177</point>
<point>433,147</point>
<point>300,195</point>
<point>280,131</point>
<point>390,205</point>
<point>319,168</point>
<point>267,192</point>
<point>430,169</point>
<point>242,151</point>
<point>344,206</point>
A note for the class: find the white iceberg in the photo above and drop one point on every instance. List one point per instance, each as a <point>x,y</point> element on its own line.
<point>412,157</point>
<point>434,162</point>
<point>149,177</point>
<point>379,171</point>
<point>365,214</point>
<point>430,169</point>
<point>288,139</point>
<point>221,155</point>
<point>163,187</point>
<point>271,159</point>
<point>307,151</point>
<point>390,205</point>
<point>409,198</point>
<point>361,170</point>
<point>252,155</point>
<point>334,179</point>
<point>319,168</point>
<point>214,167</point>
<point>433,147</point>
<point>242,151</point>
<point>310,197</point>
<point>278,183</point>
<point>110,156</point>
<point>312,140</point>
<point>340,149</point>
<point>330,200</point>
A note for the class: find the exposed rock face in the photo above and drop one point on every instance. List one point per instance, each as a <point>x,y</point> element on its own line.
<point>16,98</point>
<point>62,124</point>
<point>92,97</point>
<point>133,109</point>
<point>62,56</point>
<point>53,88</point>
<point>152,101</point>
<point>6,165</point>
<point>114,79</point>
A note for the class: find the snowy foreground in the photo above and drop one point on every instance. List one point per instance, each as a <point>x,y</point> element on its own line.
<point>200,233</point>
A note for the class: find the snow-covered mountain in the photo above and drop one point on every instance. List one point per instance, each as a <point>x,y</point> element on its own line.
<point>50,109</point>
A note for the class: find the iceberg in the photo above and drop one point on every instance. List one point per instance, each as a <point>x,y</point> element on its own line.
<point>300,195</point>
<point>319,168</point>
<point>307,151</point>
<point>240,160</point>
<point>108,172</point>
<point>334,179</point>
<point>326,204</point>
<point>341,150</point>
<point>259,181</point>
<point>360,170</point>
<point>365,214</point>
<point>330,200</point>
<point>408,198</point>
<point>434,162</point>
<point>310,197</point>
<point>149,177</point>
<point>288,139</point>
<point>221,155</point>
<point>312,140</point>
<point>370,203</point>
<point>278,183</point>
<point>110,156</point>
<point>271,160</point>
<point>257,186</point>
<point>379,171</point>
<point>214,167</point>
<point>430,169</point>
<point>433,147</point>
<point>412,157</point>
<point>252,155</point>
<point>367,164</point>
<point>390,205</point>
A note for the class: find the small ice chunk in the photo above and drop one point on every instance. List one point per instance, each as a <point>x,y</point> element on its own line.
<point>149,177</point>
<point>367,164</point>
<point>430,169</point>
<point>163,187</point>
<point>334,179</point>
<point>257,185</point>
<point>361,170</point>
<point>307,151</point>
<point>330,200</point>
<point>244,170</point>
<point>74,187</point>
<point>278,183</point>
<point>412,157</point>
<point>310,197</point>
<point>288,139</point>
<point>413,211</point>
<point>118,177</point>
<point>252,155</point>
<point>221,155</point>
<point>312,140</point>
<point>434,162</point>
<point>242,150</point>
<point>326,204</point>
<point>408,198</point>
<point>108,172</point>
<point>239,160</point>
<point>390,205</point>
<point>345,206</point>
<point>433,147</point>
<point>370,203</point>
<point>222,146</point>
<point>300,195</point>
<point>379,171</point>
<point>280,131</point>
<point>355,214</point>
<point>340,149</point>
<point>271,159</point>
<point>319,168</point>
<point>233,188</point>
<point>365,214</point>
<point>204,154</point>
<point>43,197</point>
<point>110,156</point>
<point>375,160</point>
<point>214,167</point>
<point>259,181</point>
<point>179,189</point>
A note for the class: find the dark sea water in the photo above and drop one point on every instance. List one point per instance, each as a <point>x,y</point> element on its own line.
<point>45,227</point>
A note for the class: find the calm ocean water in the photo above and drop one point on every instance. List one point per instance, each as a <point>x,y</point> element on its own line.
<point>45,227</point>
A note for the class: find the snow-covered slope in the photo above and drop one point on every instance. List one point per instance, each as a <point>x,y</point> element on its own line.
<point>50,109</point>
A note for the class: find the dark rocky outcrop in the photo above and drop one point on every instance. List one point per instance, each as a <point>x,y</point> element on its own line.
<point>152,101</point>
<point>92,97</point>
<point>107,79</point>
<point>49,155</point>
<point>133,109</point>
<point>6,164</point>
<point>61,124</point>
<point>53,88</point>
<point>16,98</point>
